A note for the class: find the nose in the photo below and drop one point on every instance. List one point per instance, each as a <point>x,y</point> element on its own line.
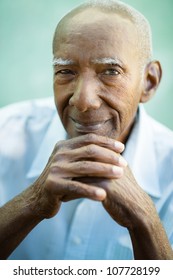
<point>86,94</point>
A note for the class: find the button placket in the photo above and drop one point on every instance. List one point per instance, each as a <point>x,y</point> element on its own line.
<point>80,230</point>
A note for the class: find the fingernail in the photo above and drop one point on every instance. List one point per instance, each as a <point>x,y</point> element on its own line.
<point>122,161</point>
<point>118,171</point>
<point>120,146</point>
<point>100,193</point>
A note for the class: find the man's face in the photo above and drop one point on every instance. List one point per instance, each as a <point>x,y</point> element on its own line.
<point>97,78</point>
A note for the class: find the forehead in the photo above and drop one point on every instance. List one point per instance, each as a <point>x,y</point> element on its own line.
<point>95,31</point>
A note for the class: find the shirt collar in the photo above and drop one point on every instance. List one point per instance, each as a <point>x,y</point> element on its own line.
<point>139,152</point>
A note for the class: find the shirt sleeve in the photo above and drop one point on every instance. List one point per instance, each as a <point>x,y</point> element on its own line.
<point>22,128</point>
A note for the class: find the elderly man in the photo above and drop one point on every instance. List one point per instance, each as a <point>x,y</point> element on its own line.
<point>94,199</point>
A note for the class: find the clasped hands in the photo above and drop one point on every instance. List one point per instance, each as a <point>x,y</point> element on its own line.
<point>90,166</point>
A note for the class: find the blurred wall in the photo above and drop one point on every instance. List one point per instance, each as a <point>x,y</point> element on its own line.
<point>26,30</point>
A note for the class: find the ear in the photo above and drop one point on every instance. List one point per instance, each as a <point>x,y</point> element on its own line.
<point>152,78</point>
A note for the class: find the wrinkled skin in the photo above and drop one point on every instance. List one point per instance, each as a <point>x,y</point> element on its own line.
<point>98,85</point>
<point>88,92</point>
<point>101,98</point>
<point>71,163</point>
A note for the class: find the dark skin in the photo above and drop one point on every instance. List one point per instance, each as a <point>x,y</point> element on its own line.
<point>97,102</point>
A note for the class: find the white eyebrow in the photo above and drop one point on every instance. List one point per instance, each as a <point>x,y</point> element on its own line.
<point>103,60</point>
<point>62,62</point>
<point>107,60</point>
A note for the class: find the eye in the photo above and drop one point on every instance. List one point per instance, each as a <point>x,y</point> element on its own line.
<point>111,72</point>
<point>64,72</point>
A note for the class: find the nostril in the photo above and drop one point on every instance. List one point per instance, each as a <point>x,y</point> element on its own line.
<point>70,102</point>
<point>84,101</point>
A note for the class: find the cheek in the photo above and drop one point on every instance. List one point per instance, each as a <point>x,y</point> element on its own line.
<point>124,95</point>
<point>61,97</point>
<point>123,102</point>
<point>116,97</point>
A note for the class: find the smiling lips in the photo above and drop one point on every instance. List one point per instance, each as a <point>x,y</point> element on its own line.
<point>88,127</point>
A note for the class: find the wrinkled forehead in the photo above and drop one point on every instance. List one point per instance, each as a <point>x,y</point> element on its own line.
<point>92,22</point>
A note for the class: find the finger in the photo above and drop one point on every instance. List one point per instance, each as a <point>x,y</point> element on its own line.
<point>95,153</point>
<point>92,169</point>
<point>87,139</point>
<point>68,190</point>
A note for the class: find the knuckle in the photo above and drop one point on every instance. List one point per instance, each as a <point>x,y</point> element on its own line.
<point>82,166</point>
<point>90,150</point>
<point>59,156</point>
<point>59,145</point>
<point>57,167</point>
<point>58,171</point>
<point>91,137</point>
<point>60,153</point>
<point>53,170</point>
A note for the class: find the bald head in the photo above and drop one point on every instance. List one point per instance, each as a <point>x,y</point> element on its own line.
<point>93,8</point>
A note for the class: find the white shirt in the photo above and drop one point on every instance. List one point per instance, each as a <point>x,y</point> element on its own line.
<point>82,229</point>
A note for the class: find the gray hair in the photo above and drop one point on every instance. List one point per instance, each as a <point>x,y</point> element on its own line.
<point>140,22</point>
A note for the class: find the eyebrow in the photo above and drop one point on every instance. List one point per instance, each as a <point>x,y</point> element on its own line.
<point>62,62</point>
<point>108,60</point>
<point>103,60</point>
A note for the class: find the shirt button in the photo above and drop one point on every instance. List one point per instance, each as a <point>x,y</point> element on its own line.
<point>77,240</point>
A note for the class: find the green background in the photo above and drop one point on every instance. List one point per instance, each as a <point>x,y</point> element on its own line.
<point>26,31</point>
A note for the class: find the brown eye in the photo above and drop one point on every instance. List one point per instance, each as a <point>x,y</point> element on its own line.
<point>65,72</point>
<point>111,72</point>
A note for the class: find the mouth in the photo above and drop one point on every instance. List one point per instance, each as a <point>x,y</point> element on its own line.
<point>89,127</point>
